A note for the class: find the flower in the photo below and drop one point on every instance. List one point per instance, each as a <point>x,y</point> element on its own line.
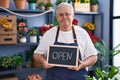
<point>5,23</point>
<point>44,28</point>
<point>75,22</point>
<point>22,27</point>
<point>22,24</point>
<point>89,26</point>
<point>93,37</point>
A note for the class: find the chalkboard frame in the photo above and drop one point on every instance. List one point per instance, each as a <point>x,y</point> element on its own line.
<point>67,47</point>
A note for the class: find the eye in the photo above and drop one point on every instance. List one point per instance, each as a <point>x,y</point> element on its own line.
<point>61,14</point>
<point>67,14</point>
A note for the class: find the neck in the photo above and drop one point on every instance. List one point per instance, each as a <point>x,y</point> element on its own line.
<point>63,28</point>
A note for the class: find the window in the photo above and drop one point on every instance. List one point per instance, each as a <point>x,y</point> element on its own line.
<point>115,28</point>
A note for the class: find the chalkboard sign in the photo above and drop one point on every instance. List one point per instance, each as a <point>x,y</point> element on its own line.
<point>59,55</point>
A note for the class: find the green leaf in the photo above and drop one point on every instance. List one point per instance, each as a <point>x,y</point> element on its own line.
<point>98,73</point>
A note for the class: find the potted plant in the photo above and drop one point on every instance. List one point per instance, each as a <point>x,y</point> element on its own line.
<point>17,61</point>
<point>59,1</point>
<point>94,5</point>
<point>41,6</point>
<point>33,34</point>
<point>22,30</point>
<point>48,5</point>
<point>112,74</point>
<point>115,51</point>
<point>6,62</point>
<point>32,4</point>
<point>20,4</point>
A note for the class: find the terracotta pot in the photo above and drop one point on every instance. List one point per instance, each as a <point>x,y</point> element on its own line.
<point>94,8</point>
<point>5,3</point>
<point>20,4</point>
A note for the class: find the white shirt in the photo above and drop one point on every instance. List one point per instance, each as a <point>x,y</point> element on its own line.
<point>84,42</point>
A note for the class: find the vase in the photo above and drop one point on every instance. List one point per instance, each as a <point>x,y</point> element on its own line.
<point>20,4</point>
<point>33,39</point>
<point>5,3</point>
<point>32,6</point>
<point>23,40</point>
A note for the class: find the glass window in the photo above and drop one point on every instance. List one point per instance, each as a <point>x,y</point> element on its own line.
<point>116,8</point>
<point>116,40</point>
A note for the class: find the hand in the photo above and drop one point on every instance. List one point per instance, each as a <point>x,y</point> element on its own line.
<point>80,66</point>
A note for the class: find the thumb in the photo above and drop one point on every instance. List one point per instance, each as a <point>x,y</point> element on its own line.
<point>79,61</point>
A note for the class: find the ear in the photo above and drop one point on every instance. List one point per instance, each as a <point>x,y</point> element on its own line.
<point>56,17</point>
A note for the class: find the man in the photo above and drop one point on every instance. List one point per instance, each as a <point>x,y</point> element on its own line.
<point>66,34</point>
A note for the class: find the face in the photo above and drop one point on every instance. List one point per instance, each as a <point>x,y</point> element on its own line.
<point>64,17</point>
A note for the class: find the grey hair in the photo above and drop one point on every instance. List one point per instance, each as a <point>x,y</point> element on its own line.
<point>65,4</point>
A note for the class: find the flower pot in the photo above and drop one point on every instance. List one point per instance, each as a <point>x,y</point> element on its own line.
<point>5,3</point>
<point>33,39</point>
<point>94,8</point>
<point>19,67</point>
<point>48,8</point>
<point>32,6</point>
<point>20,4</point>
<point>42,8</point>
<point>23,40</point>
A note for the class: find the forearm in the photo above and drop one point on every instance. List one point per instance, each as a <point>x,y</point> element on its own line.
<point>38,60</point>
<point>90,61</point>
<point>83,64</point>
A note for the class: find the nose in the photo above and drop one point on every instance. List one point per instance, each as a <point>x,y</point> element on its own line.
<point>64,15</point>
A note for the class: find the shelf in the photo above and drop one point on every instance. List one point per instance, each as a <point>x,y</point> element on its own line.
<point>18,44</point>
<point>40,11</point>
<point>27,44</point>
<point>88,13</point>
<point>26,11</point>
<point>20,70</point>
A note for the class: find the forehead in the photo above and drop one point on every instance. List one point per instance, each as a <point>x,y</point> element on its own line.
<point>63,10</point>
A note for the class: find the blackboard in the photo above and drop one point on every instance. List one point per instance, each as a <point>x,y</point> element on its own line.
<point>64,56</point>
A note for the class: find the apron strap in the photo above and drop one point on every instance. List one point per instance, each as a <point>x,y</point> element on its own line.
<point>57,34</point>
<point>74,35</point>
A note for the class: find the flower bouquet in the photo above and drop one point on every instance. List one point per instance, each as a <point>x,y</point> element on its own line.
<point>22,27</point>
